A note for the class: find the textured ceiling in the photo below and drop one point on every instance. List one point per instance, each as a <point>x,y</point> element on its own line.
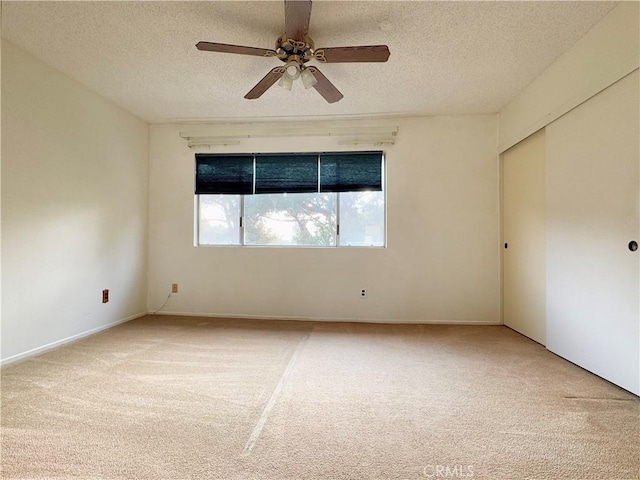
<point>446,57</point>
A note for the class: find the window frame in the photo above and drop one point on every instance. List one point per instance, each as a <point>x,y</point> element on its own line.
<point>241,230</point>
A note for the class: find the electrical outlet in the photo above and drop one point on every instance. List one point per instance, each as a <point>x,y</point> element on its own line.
<point>363,293</point>
<point>105,295</point>
<point>174,288</point>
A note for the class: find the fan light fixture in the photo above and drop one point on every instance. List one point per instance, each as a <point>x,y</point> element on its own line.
<point>293,71</point>
<point>308,80</point>
<point>286,82</point>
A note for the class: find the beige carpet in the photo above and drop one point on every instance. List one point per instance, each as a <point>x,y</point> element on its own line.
<point>185,398</point>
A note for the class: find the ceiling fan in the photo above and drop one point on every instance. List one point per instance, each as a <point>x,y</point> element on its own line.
<point>295,48</point>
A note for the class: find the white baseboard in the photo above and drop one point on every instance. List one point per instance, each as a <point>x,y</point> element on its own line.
<point>332,320</point>
<point>64,341</point>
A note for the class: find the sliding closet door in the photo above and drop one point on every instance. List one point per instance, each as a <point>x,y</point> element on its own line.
<point>524,235</point>
<point>592,216</point>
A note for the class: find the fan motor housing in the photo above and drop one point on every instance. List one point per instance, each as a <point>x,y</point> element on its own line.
<point>289,50</point>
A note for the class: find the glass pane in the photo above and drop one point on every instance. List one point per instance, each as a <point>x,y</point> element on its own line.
<point>290,219</point>
<point>219,220</point>
<point>362,219</point>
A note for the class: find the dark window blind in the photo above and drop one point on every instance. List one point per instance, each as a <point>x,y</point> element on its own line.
<point>286,173</point>
<point>227,174</point>
<point>351,172</point>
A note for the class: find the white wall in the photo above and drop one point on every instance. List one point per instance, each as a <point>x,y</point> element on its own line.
<point>608,52</point>
<point>442,260</point>
<point>74,208</point>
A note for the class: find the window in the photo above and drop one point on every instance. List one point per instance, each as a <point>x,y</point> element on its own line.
<point>314,200</point>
